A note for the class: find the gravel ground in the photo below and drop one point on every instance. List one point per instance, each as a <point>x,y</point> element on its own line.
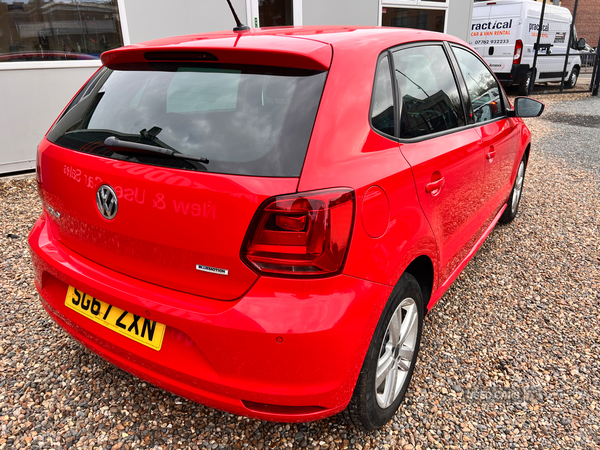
<point>510,356</point>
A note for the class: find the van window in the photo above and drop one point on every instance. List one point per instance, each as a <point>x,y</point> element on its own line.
<point>245,120</point>
<point>483,88</point>
<point>382,108</point>
<point>430,99</point>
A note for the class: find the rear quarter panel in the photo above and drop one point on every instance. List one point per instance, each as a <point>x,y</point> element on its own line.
<point>345,151</point>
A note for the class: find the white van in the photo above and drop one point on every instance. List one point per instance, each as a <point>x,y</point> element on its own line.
<point>505,32</point>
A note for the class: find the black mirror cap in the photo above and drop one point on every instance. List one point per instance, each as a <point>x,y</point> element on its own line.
<point>528,107</point>
<point>581,44</point>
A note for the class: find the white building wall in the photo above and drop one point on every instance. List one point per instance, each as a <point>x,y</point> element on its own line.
<point>460,14</point>
<point>155,19</point>
<point>31,101</point>
<point>340,12</point>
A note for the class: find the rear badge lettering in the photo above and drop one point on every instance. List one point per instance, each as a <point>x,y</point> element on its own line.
<point>214,270</point>
<point>52,211</point>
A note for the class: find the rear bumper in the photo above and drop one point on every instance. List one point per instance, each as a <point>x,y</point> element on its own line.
<point>226,354</point>
<point>517,75</point>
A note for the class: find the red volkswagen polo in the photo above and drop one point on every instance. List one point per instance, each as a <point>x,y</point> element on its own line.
<point>259,220</point>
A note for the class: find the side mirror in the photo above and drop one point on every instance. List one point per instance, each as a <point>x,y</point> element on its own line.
<point>528,107</point>
<point>581,44</point>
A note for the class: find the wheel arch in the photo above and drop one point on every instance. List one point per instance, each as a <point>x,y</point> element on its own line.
<point>526,153</point>
<point>422,269</point>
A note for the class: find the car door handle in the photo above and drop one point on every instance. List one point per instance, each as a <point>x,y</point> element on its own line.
<point>434,186</point>
<point>490,155</point>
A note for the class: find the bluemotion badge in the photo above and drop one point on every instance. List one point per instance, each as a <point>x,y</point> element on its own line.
<point>214,270</point>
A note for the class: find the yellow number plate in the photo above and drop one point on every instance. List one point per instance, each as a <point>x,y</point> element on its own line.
<point>142,330</point>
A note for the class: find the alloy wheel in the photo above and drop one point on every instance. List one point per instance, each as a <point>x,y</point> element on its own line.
<point>396,354</point>
<point>516,196</point>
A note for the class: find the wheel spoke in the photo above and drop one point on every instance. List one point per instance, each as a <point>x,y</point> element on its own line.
<point>519,184</point>
<point>408,323</point>
<point>403,365</point>
<point>384,365</point>
<point>390,386</point>
<point>406,354</point>
<point>395,327</point>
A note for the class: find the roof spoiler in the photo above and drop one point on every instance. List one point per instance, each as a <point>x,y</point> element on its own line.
<point>274,51</point>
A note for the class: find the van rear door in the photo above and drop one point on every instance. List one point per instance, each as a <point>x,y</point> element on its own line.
<point>497,35</point>
<point>481,17</point>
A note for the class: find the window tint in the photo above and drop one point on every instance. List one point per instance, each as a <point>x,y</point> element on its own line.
<point>482,85</point>
<point>246,120</point>
<point>382,109</point>
<point>430,99</point>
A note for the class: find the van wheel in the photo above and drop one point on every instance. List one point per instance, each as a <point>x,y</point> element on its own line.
<point>512,205</point>
<point>390,360</point>
<point>523,88</point>
<point>570,84</point>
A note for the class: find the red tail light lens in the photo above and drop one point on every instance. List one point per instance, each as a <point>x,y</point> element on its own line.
<point>518,52</point>
<point>304,234</point>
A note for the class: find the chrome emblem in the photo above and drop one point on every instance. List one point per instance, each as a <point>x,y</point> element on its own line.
<point>214,270</point>
<point>107,202</point>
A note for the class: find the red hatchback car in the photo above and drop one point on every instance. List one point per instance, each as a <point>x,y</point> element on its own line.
<point>259,220</point>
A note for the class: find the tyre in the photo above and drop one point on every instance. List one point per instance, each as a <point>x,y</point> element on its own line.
<point>512,205</point>
<point>390,360</point>
<point>523,88</point>
<point>572,81</point>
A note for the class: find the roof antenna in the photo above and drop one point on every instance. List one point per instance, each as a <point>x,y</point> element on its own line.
<point>240,26</point>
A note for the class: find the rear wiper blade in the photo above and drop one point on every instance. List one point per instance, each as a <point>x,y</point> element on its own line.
<point>113,141</point>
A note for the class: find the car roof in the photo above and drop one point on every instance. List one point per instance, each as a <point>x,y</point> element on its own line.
<point>309,47</point>
<point>326,34</point>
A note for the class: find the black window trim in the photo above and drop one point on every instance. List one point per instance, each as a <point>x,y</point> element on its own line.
<point>460,82</point>
<point>394,137</point>
<point>505,104</point>
<point>462,85</point>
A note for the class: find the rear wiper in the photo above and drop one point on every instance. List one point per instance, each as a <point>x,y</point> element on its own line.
<point>112,141</point>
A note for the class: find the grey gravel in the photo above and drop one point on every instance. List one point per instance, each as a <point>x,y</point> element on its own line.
<point>576,124</point>
<point>510,355</point>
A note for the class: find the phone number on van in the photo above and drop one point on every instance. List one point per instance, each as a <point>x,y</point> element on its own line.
<point>493,41</point>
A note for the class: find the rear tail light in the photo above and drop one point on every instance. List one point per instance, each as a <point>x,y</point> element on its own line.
<point>306,234</point>
<point>518,52</point>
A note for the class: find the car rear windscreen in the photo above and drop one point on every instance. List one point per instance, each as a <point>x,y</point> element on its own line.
<point>246,120</point>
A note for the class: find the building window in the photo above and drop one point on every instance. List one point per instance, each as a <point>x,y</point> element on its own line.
<point>43,30</point>
<point>421,14</point>
<point>275,13</point>
<point>423,19</point>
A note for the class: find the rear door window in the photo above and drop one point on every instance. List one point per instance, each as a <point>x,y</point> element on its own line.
<point>245,120</point>
<point>430,98</point>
